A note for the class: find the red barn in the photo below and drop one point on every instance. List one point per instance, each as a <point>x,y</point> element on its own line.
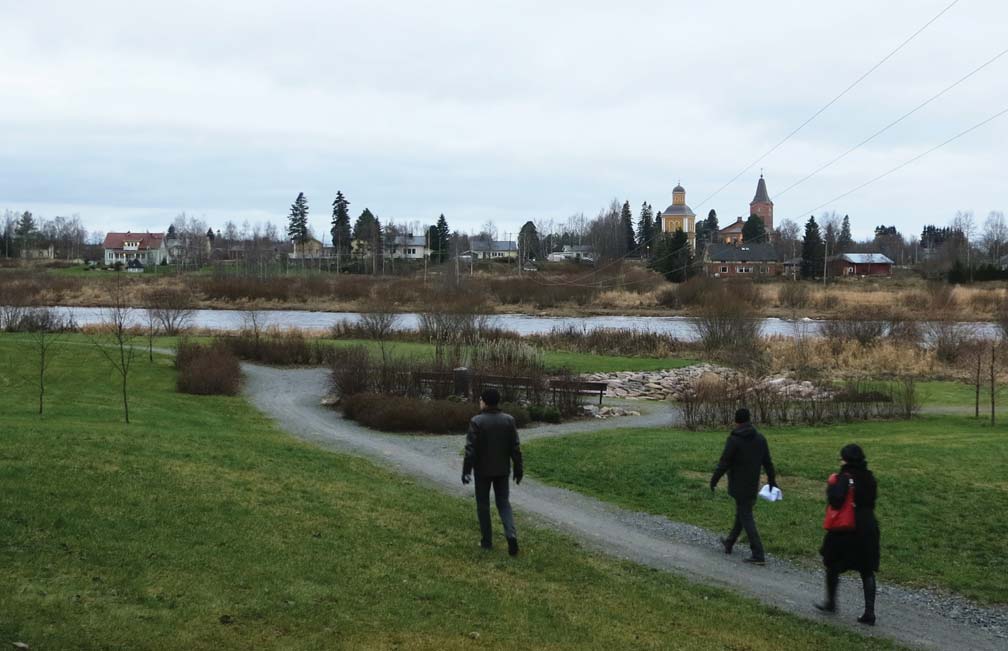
<point>860,264</point>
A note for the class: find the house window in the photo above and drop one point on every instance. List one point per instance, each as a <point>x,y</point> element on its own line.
<point>724,270</point>
<point>765,270</point>
<point>743,270</point>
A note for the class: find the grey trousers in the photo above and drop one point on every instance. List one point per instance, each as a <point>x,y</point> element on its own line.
<point>500,489</point>
<point>744,520</point>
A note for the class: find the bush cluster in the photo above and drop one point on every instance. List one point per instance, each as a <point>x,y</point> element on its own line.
<point>289,348</point>
<point>398,414</point>
<point>207,370</point>
<point>609,341</point>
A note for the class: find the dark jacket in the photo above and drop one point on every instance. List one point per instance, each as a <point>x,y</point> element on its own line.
<point>492,444</point>
<point>858,549</point>
<point>744,452</point>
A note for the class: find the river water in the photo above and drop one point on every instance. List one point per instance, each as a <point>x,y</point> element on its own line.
<point>677,326</point>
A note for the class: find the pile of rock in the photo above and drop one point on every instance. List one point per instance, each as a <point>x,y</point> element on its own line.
<point>674,383</point>
<point>594,411</point>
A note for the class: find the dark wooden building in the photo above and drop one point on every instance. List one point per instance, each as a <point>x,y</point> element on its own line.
<point>745,260</point>
<point>859,264</point>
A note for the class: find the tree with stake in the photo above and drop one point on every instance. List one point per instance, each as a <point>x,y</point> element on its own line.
<point>117,323</point>
<point>46,328</point>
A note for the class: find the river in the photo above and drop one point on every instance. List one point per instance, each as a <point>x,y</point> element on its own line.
<point>678,326</point>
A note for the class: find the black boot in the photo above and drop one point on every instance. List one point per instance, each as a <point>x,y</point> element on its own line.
<point>832,581</point>
<point>512,546</point>
<point>868,584</point>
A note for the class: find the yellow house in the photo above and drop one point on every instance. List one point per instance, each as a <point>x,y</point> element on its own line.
<point>679,216</point>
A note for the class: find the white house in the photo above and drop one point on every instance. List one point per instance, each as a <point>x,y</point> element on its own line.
<point>147,248</point>
<point>491,250</point>
<point>584,253</point>
<point>407,247</point>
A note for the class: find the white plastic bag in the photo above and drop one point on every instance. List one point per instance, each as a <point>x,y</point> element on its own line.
<point>771,494</point>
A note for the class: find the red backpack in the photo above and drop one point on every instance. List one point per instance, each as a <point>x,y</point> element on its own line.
<point>841,519</point>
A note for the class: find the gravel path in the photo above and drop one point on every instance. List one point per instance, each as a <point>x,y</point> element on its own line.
<point>915,618</point>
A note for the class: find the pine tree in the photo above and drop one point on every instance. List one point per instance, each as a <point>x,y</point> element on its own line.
<point>754,230</point>
<point>658,228</point>
<point>672,256</point>
<point>528,242</point>
<point>845,241</point>
<point>812,250</point>
<point>645,230</point>
<point>443,238</point>
<point>297,228</point>
<point>706,232</point>
<point>340,230</point>
<point>626,224</point>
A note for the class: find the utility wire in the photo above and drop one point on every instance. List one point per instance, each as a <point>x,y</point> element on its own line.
<point>894,122</point>
<point>908,162</point>
<point>831,102</point>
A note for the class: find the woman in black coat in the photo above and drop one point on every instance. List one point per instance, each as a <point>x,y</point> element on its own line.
<point>853,550</point>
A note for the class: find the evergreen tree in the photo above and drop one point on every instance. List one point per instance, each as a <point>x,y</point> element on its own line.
<point>845,241</point>
<point>812,250</point>
<point>645,230</point>
<point>626,224</point>
<point>297,228</point>
<point>340,230</point>
<point>672,256</point>
<point>528,242</point>
<point>443,238</point>
<point>26,228</point>
<point>210,235</point>
<point>754,230</point>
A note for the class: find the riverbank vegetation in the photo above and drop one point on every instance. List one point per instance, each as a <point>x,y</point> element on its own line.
<point>200,525</point>
<point>626,288</point>
<point>939,477</point>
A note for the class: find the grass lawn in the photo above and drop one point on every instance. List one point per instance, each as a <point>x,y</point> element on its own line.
<point>201,526</point>
<point>942,490</point>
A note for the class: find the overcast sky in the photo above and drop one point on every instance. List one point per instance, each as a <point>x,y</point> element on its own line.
<point>128,113</point>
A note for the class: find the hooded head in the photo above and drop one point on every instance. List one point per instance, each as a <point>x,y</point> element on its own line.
<point>853,455</point>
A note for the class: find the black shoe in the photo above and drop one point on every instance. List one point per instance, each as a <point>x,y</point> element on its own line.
<point>512,546</point>
<point>726,545</point>
<point>826,607</point>
<point>752,560</point>
<point>868,619</point>
<point>486,544</point>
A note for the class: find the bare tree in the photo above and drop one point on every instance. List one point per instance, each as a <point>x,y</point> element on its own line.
<point>995,235</point>
<point>119,351</point>
<point>46,327</point>
<point>171,308</point>
<point>255,322</point>
<point>379,324</point>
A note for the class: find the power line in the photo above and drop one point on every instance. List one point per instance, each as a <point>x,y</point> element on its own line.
<point>908,162</point>
<point>831,102</point>
<point>894,122</point>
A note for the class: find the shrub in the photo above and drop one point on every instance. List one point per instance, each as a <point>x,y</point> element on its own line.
<point>794,295</point>
<point>351,369</point>
<point>544,413</point>
<point>725,323</point>
<point>290,348</point>
<point>519,413</point>
<point>609,341</point>
<point>694,290</point>
<point>395,414</point>
<point>207,370</point>
<point>828,301</point>
<point>866,331</point>
<point>940,297</point>
<point>949,339</point>
<point>668,297</point>
<point>1002,318</point>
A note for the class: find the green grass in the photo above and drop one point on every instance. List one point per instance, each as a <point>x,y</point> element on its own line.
<point>201,526</point>
<point>942,490</point>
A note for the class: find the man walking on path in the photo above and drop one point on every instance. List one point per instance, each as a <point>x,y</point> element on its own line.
<point>491,445</point>
<point>744,452</point>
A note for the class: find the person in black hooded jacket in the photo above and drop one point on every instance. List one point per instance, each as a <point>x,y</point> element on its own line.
<point>745,451</point>
<point>853,550</point>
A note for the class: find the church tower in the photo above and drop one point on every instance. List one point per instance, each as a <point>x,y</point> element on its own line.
<point>679,216</point>
<point>761,206</point>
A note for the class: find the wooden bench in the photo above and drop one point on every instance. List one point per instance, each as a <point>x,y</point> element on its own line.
<point>580,387</point>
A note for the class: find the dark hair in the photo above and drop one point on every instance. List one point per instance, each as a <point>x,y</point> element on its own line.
<point>742,416</point>
<point>491,397</point>
<point>852,453</point>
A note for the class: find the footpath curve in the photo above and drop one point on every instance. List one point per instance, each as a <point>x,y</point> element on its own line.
<point>915,618</point>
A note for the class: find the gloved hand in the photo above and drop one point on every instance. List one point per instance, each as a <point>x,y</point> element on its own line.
<point>465,478</point>
<point>518,477</point>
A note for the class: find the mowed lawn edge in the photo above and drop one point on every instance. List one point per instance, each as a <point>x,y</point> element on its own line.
<point>202,525</point>
<point>942,490</point>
